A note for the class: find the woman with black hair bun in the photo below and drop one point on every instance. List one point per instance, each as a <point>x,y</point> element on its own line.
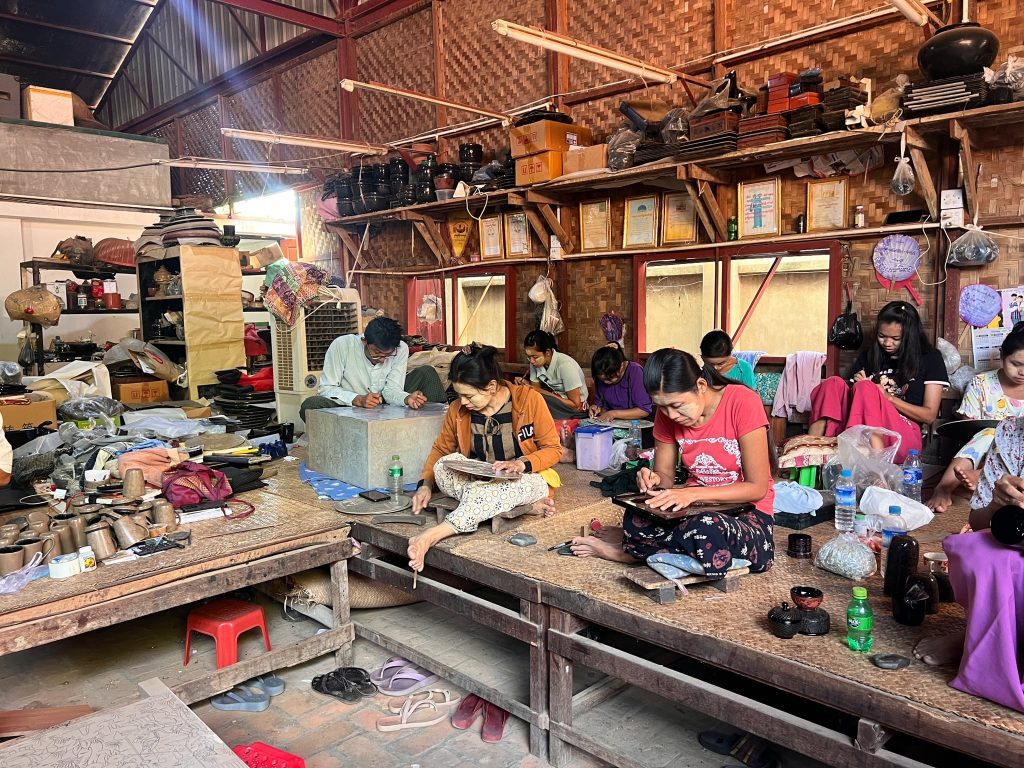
<point>719,431</point>
<point>559,378</point>
<point>895,384</point>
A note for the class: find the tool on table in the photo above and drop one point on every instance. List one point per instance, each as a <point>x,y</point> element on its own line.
<point>408,519</point>
<point>522,539</point>
<point>553,547</point>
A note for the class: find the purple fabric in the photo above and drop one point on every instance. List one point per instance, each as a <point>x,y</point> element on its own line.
<point>988,580</point>
<point>628,393</point>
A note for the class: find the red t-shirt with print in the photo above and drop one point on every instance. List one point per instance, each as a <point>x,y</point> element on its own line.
<point>712,451</point>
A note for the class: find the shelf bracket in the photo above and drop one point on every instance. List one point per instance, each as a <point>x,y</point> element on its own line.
<point>707,209</point>
<point>692,172</point>
<point>349,251</point>
<point>431,234</point>
<point>924,176</point>
<point>967,167</point>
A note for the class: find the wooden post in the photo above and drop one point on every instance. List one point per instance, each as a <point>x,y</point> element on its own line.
<point>340,607</point>
<point>559,690</point>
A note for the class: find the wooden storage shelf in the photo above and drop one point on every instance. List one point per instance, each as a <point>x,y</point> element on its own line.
<point>163,298</point>
<point>167,342</point>
<point>99,312</point>
<point>497,197</point>
<point>61,265</point>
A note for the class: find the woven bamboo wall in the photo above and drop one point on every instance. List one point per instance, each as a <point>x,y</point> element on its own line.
<point>385,293</point>
<point>594,287</point>
<point>252,109</point>
<point>399,54</point>
<point>319,244</point>
<point>201,137</point>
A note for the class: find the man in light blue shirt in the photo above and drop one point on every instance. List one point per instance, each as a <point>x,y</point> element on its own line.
<point>370,370</point>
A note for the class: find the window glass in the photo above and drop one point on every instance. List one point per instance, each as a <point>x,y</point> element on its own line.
<point>680,304</point>
<point>792,313</point>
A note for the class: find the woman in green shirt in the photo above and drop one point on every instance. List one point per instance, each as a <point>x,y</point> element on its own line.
<point>716,349</point>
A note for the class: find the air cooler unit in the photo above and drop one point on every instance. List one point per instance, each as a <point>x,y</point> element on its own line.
<point>299,351</point>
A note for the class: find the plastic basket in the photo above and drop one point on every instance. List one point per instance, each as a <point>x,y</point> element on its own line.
<point>260,755</point>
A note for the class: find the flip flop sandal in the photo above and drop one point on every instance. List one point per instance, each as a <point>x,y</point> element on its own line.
<point>336,687</point>
<point>270,684</point>
<point>241,699</point>
<point>441,699</point>
<point>752,751</point>
<point>359,677</point>
<point>469,710</point>
<point>494,723</point>
<point>408,680</point>
<point>389,668</point>
<point>415,714</point>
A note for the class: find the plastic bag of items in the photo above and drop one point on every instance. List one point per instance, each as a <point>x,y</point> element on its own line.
<point>622,145</point>
<point>870,466</point>
<point>950,356</point>
<point>675,126</point>
<point>543,293</point>
<point>723,94</point>
<point>10,373</point>
<point>101,410</point>
<point>847,556</point>
<point>885,106</point>
<point>1006,84</point>
<point>961,377</point>
<point>973,248</point>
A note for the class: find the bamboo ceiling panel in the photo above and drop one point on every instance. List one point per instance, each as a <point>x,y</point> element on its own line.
<point>200,132</point>
<point>481,67</point>
<point>664,34</point>
<point>399,54</point>
<point>747,23</point>
<point>252,109</point>
<point>309,96</point>
<point>168,132</point>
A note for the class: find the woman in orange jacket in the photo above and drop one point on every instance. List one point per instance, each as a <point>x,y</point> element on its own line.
<point>507,425</point>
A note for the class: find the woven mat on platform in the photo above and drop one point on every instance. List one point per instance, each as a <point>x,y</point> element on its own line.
<point>740,617</point>
<point>276,522</point>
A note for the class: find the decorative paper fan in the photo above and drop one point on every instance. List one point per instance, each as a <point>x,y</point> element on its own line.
<point>979,305</point>
<point>896,259</point>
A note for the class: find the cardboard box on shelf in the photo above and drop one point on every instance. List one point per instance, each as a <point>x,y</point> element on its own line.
<point>543,166</point>
<point>29,414</point>
<point>545,136</point>
<point>140,390</point>
<point>592,158</point>
<point>47,105</point>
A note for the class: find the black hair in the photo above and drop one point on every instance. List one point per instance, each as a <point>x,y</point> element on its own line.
<point>1014,341</point>
<point>383,332</point>
<point>672,370</point>
<point>607,361</point>
<point>913,345</point>
<point>476,368</point>
<point>715,344</point>
<point>540,340</point>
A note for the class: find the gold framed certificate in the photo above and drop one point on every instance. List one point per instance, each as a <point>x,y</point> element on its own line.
<point>827,204</point>
<point>517,236</point>
<point>492,241</point>
<point>759,214</point>
<point>678,219</point>
<point>596,225</point>
<point>640,225</point>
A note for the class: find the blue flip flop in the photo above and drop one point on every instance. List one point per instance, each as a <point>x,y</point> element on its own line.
<point>241,699</point>
<point>270,684</point>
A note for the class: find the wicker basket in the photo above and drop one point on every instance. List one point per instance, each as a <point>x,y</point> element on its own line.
<point>111,250</point>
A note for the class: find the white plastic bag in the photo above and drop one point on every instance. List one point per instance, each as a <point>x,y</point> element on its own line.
<point>870,466</point>
<point>950,356</point>
<point>903,180</point>
<point>876,501</point>
<point>961,377</point>
<point>848,556</point>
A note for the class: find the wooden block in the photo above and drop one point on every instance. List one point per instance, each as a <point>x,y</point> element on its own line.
<point>662,590</point>
<point>506,520</point>
<point>18,722</point>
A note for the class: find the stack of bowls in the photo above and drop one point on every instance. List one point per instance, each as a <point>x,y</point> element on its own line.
<point>190,228</point>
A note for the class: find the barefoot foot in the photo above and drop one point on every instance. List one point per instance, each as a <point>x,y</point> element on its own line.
<point>936,651</point>
<point>418,545</point>
<point>939,502</point>
<point>610,533</point>
<point>968,477</point>
<point>544,507</point>
<point>591,546</point>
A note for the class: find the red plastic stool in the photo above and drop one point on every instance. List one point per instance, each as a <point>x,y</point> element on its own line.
<point>224,620</point>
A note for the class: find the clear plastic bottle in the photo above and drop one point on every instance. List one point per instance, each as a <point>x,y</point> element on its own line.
<point>633,441</point>
<point>892,525</point>
<point>846,502</point>
<point>912,476</point>
<point>860,525</point>
<point>859,622</point>
<point>396,483</point>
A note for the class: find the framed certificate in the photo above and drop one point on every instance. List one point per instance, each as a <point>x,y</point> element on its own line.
<point>759,214</point>
<point>678,219</point>
<point>640,225</point>
<point>596,225</point>
<point>827,204</point>
<point>492,241</point>
<point>517,236</point>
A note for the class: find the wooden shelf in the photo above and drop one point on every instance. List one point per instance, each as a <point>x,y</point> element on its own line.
<point>163,298</point>
<point>167,342</point>
<point>99,311</point>
<point>62,265</point>
<point>497,197</point>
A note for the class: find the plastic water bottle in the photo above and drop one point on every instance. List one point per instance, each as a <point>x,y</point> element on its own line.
<point>860,525</point>
<point>633,441</point>
<point>846,502</point>
<point>396,484</point>
<point>912,476</point>
<point>859,622</point>
<point>893,525</point>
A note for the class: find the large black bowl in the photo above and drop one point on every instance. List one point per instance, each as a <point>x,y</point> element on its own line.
<point>959,49</point>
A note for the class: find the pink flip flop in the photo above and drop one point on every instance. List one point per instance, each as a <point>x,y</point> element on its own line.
<point>408,680</point>
<point>389,668</point>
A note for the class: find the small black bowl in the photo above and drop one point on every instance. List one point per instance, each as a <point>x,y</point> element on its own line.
<point>806,598</point>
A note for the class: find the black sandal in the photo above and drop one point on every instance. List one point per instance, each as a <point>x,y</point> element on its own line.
<point>358,677</point>
<point>337,687</point>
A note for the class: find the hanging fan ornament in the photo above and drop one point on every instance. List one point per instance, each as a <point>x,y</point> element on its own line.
<point>896,259</point>
<point>979,305</point>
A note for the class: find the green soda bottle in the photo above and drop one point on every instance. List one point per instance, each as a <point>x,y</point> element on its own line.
<point>859,622</point>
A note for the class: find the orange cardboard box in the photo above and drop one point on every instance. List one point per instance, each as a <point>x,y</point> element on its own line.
<point>545,136</point>
<point>29,414</point>
<point>149,391</point>
<point>585,159</point>
<point>544,166</point>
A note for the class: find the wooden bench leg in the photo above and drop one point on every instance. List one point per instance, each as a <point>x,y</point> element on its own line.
<point>340,607</point>
<point>728,584</point>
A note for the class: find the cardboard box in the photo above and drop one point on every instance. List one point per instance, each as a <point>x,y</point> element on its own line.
<point>544,166</point>
<point>141,391</point>
<point>47,105</point>
<point>585,159</point>
<point>545,136</point>
<point>10,96</point>
<point>29,414</point>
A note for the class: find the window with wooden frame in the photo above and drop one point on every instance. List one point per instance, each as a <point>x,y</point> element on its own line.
<point>770,300</point>
<point>462,307</point>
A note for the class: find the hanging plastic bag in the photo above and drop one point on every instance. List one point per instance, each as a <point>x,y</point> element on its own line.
<point>973,248</point>
<point>847,556</point>
<point>543,293</point>
<point>903,180</point>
